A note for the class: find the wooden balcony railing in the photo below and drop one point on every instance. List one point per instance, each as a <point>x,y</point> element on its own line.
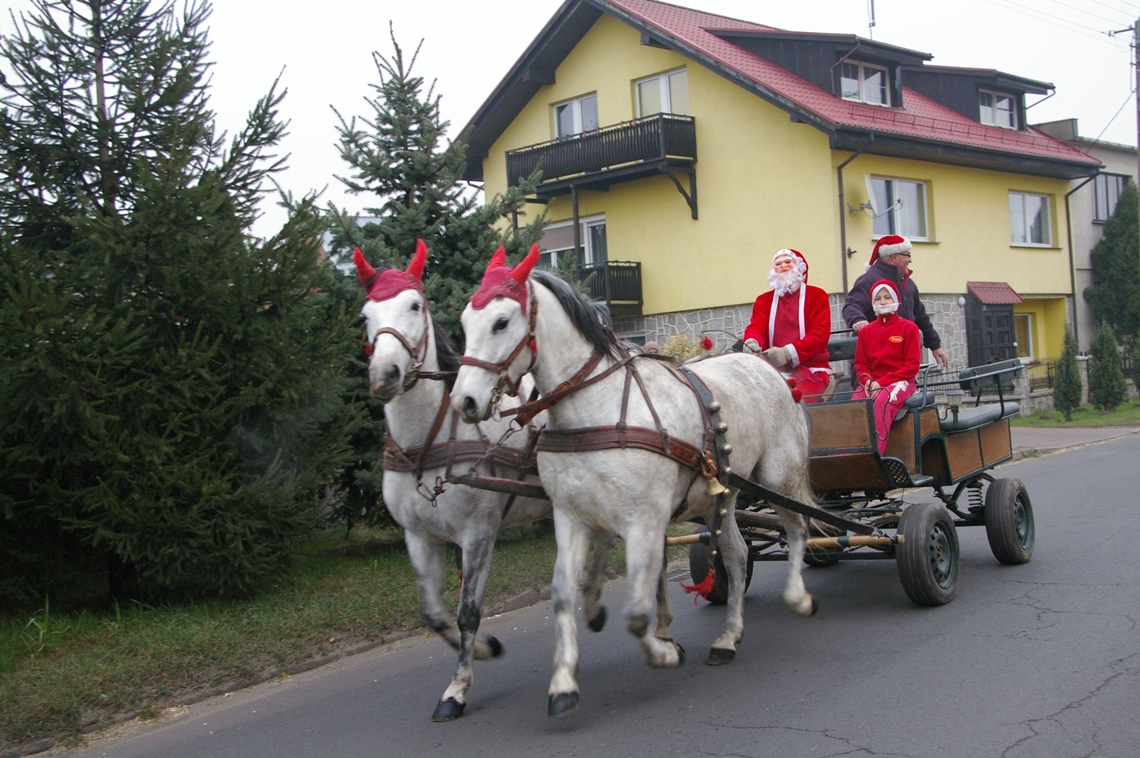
<point>653,138</point>
<point>618,283</point>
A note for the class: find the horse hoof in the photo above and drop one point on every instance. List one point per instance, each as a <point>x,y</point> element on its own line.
<point>448,710</point>
<point>495,645</point>
<point>559,705</point>
<point>680,654</point>
<point>719,656</point>
<point>814,607</point>
<point>599,621</point>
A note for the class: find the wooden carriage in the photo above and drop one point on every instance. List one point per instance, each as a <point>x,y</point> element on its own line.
<point>947,446</point>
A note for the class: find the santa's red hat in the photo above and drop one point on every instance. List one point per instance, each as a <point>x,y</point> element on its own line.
<point>888,245</point>
<point>797,257</point>
<point>888,285</point>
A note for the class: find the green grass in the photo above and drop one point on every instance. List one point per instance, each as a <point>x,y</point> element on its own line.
<point>63,672</point>
<point>60,673</point>
<point>1127,414</point>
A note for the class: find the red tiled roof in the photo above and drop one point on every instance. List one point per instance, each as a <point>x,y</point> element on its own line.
<point>993,293</point>
<point>919,117</point>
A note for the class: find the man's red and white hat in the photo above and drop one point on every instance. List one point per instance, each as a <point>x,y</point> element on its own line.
<point>888,245</point>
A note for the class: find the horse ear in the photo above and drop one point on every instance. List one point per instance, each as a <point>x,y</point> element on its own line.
<point>416,267</point>
<point>363,270</point>
<point>498,260</point>
<point>522,271</point>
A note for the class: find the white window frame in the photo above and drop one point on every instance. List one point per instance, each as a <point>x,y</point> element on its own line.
<point>1030,355</point>
<point>575,105</point>
<point>666,93</point>
<point>892,212</point>
<point>862,67</point>
<point>1104,205</point>
<point>549,258</point>
<point>1047,227</point>
<point>994,109</point>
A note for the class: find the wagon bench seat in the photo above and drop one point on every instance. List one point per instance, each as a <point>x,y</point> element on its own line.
<point>972,418</point>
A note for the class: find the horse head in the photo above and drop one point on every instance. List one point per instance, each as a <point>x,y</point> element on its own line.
<point>499,327</point>
<point>397,324</point>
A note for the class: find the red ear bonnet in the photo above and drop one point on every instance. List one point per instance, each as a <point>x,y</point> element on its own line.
<point>391,282</point>
<point>416,267</point>
<point>501,281</point>
<point>363,270</point>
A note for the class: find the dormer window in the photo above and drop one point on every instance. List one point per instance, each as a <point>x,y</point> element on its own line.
<point>576,116</point>
<point>864,83</point>
<point>996,109</point>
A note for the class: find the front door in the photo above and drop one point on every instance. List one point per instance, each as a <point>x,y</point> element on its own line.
<point>989,332</point>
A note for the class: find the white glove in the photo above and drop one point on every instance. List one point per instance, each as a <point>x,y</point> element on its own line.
<point>777,356</point>
<point>751,346</point>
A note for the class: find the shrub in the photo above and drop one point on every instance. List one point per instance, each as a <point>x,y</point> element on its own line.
<point>1067,385</point>
<point>1106,380</point>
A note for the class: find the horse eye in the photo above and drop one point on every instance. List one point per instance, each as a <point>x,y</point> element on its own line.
<point>500,325</point>
<point>415,306</point>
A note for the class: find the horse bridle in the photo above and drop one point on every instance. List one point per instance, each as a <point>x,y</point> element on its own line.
<point>505,385</point>
<point>417,352</point>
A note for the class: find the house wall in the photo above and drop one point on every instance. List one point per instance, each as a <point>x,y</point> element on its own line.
<point>968,216</point>
<point>763,182</point>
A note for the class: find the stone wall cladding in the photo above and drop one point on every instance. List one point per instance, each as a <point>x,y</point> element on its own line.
<point>726,325</point>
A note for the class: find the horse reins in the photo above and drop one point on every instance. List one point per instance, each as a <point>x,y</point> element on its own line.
<point>505,385</point>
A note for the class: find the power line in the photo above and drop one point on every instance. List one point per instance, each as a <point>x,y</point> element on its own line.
<point>1067,25</point>
<point>1118,110</point>
<point>1087,13</point>
<point>1114,9</point>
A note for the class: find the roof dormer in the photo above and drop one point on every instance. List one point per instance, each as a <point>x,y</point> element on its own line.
<point>990,97</point>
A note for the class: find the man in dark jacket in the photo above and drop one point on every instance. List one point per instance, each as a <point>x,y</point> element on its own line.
<point>891,261</point>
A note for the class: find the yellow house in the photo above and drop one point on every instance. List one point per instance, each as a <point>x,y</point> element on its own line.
<point>680,149</point>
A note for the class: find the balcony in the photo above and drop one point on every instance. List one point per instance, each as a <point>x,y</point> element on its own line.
<point>618,283</point>
<point>662,143</point>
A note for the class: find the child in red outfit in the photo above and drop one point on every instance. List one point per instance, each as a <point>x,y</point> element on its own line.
<point>887,358</point>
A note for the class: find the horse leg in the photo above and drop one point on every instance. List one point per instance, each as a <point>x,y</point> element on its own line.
<point>664,606</point>
<point>573,538</point>
<point>734,554</point>
<point>644,560</point>
<point>476,567</point>
<point>592,607</point>
<point>795,595</point>
<point>429,561</point>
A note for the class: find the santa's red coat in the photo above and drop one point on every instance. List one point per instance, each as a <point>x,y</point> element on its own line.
<point>805,333</point>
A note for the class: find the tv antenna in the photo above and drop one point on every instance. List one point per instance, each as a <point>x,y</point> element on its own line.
<point>871,19</point>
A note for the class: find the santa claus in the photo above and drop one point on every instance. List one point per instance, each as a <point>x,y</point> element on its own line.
<point>791,324</point>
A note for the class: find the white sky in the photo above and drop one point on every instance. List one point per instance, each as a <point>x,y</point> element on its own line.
<point>324,51</point>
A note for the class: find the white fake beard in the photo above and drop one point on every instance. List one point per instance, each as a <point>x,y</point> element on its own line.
<point>882,310</point>
<point>785,283</point>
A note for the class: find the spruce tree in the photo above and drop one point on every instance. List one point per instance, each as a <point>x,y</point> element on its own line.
<point>170,387</point>
<point>411,178</point>
<point>1106,380</point>
<point>1067,384</point>
<point>1115,298</point>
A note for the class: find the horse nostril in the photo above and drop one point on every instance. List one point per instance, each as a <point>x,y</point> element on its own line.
<point>469,409</point>
<point>393,374</point>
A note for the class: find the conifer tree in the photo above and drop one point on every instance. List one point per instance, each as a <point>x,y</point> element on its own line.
<point>170,387</point>
<point>1106,379</point>
<point>1115,298</point>
<point>410,177</point>
<point>1067,384</point>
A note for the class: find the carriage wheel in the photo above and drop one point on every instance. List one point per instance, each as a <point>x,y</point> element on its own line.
<point>927,559</point>
<point>1009,521</point>
<point>699,566</point>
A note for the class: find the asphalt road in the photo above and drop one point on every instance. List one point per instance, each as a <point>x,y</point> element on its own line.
<point>1038,660</point>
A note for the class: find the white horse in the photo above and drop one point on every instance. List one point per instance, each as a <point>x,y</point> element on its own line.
<point>406,345</point>
<point>519,321</point>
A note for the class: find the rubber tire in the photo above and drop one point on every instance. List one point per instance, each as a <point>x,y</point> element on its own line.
<point>1009,522</point>
<point>928,558</point>
<point>699,566</point>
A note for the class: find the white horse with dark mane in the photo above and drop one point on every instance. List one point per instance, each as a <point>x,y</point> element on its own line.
<point>411,365</point>
<point>605,456</point>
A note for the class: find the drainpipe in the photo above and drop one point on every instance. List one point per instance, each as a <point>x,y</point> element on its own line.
<point>1072,261</point>
<point>843,211</point>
